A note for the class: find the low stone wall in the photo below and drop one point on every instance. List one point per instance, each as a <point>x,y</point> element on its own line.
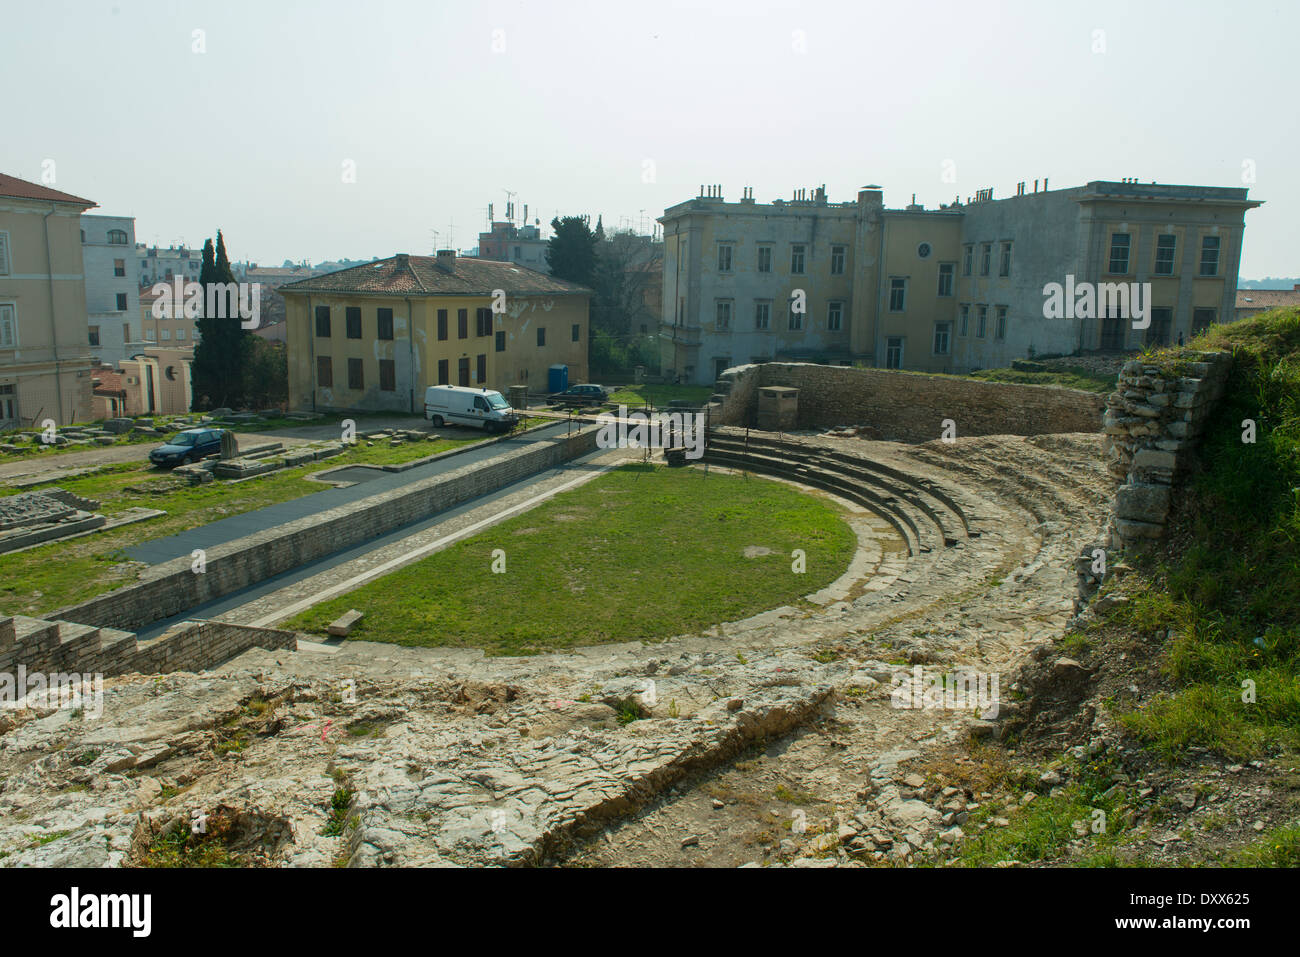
<point>173,588</point>
<point>1153,422</point>
<point>909,407</point>
<point>62,647</point>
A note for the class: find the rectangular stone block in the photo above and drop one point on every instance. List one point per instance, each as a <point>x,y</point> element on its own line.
<point>1142,503</point>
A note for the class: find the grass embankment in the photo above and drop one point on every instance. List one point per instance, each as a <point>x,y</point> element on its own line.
<point>1069,377</point>
<point>42,579</point>
<point>1228,582</point>
<point>643,552</point>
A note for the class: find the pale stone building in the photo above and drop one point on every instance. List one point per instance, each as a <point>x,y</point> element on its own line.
<point>112,297</point>
<point>45,360</point>
<point>953,289</point>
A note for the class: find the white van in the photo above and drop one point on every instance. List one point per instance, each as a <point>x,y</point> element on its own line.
<point>461,405</point>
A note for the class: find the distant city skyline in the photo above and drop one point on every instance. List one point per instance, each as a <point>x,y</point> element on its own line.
<point>319,131</point>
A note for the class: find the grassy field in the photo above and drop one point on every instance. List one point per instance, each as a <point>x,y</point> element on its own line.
<point>41,579</point>
<point>644,552</point>
<point>659,395</point>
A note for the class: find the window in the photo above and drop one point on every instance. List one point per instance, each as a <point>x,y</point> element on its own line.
<point>1000,330</point>
<point>462,323</point>
<point>968,256</point>
<point>352,318</point>
<point>324,372</point>
<point>894,352</point>
<point>126,332</point>
<point>1161,322</point>
<point>444,377</point>
<point>981,321</point>
<point>1118,253</point>
<point>1202,319</point>
<point>442,327</point>
<point>796,318</point>
<point>117,237</point>
<point>797,259</point>
<point>1004,263</point>
<point>501,341</point>
<point>8,326</point>
<point>121,302</point>
<point>180,335</point>
<point>356,380</point>
<point>724,257</point>
<point>1166,246</point>
<point>723,314</point>
<point>323,322</point>
<point>541,335</point>
<point>942,330</point>
<point>9,402</point>
<point>462,371</point>
<point>385,326</point>
<point>764,258</point>
<point>575,334</point>
<point>986,258</point>
<point>482,321</point>
<point>834,315</point>
<point>923,250</point>
<point>480,370</point>
<point>946,273</point>
<point>964,320</point>
<point>387,375</point>
<point>94,335</point>
<point>897,294</point>
<point>119,267</point>
<point>762,315</point>
<point>1210,256</point>
<point>165,335</point>
<point>4,254</point>
<point>837,260</point>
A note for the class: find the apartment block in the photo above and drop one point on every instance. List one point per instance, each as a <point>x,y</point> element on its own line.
<point>112,297</point>
<point>953,289</point>
<point>45,359</point>
<point>373,337</point>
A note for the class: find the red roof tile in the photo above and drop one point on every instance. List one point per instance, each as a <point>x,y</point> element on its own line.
<point>1267,298</point>
<point>12,186</point>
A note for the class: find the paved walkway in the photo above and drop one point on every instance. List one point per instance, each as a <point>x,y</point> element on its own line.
<point>273,599</point>
<point>226,530</point>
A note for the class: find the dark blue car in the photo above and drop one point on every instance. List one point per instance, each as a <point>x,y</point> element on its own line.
<point>188,446</point>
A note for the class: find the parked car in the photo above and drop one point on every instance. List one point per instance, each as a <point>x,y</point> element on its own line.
<point>586,393</point>
<point>461,405</point>
<point>188,446</point>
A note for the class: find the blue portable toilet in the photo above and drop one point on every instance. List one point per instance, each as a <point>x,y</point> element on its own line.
<point>559,378</point>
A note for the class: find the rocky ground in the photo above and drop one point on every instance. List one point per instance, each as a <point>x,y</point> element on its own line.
<point>773,741</point>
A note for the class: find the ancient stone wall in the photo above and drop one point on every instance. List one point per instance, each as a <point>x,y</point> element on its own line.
<point>173,588</point>
<point>909,407</point>
<point>54,647</point>
<point>1153,421</point>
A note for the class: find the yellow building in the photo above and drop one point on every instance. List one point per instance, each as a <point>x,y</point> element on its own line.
<point>45,360</point>
<point>373,337</point>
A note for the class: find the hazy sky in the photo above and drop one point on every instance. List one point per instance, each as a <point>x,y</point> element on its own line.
<point>625,108</point>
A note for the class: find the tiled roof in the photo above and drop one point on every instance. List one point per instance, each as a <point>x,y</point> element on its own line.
<point>404,275</point>
<point>12,186</point>
<point>1267,298</point>
<point>107,382</point>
